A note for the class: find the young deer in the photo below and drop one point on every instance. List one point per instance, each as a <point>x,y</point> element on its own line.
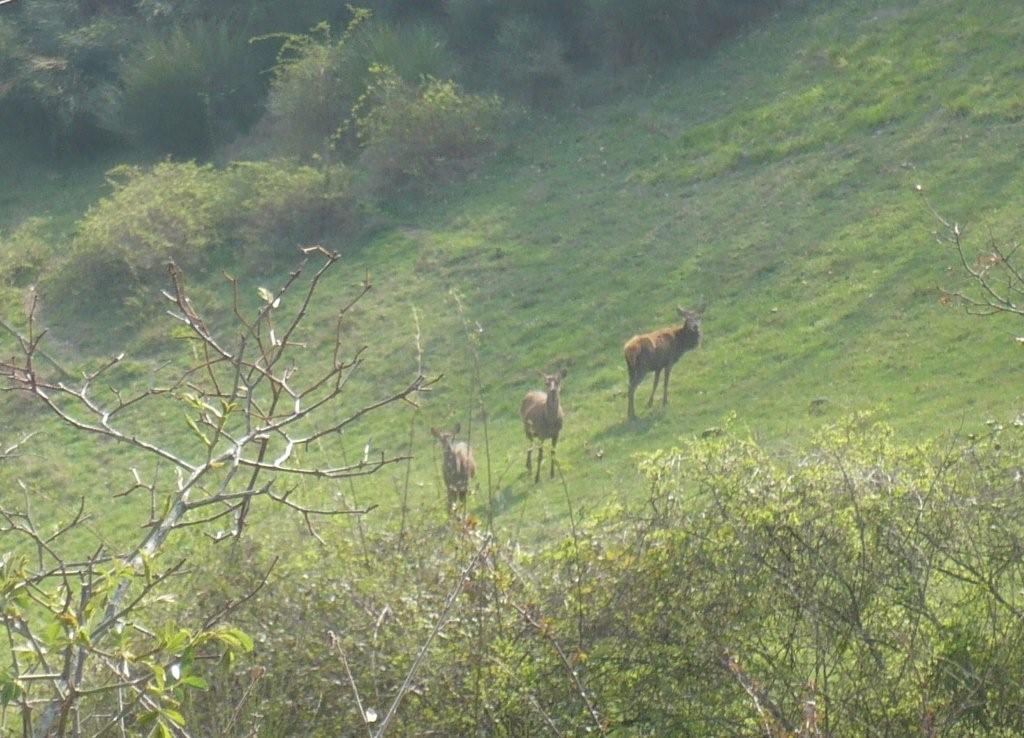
<point>542,418</point>
<point>459,466</point>
<point>659,350</point>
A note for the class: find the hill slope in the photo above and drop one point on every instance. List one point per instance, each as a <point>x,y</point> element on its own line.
<point>775,180</point>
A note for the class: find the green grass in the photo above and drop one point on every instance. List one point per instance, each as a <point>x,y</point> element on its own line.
<point>776,180</point>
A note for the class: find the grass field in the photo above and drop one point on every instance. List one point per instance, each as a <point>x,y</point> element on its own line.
<point>773,179</point>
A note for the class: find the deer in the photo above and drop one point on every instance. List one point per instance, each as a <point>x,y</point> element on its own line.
<point>542,416</point>
<point>458,465</point>
<point>657,351</point>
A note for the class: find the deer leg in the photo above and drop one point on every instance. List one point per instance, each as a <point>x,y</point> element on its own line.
<point>664,387</point>
<point>540,460</point>
<point>529,453</point>
<point>657,374</point>
<point>631,413</point>
<point>554,442</point>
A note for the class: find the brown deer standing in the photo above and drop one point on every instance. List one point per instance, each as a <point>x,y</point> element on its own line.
<point>542,418</point>
<point>659,350</point>
<point>458,465</point>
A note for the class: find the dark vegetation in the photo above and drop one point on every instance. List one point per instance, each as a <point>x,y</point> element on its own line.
<point>181,78</point>
<point>858,586</point>
<point>385,102</point>
<point>853,583</point>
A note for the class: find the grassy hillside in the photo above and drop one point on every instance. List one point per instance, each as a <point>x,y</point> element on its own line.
<point>775,179</point>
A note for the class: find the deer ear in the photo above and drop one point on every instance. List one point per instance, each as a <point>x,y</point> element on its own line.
<point>681,310</point>
<point>562,373</point>
<point>435,432</point>
<point>457,428</point>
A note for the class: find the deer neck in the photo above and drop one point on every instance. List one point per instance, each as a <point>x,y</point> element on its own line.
<point>686,336</point>
<point>552,403</point>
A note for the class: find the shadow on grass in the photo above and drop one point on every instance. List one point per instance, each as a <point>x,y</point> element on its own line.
<point>629,428</point>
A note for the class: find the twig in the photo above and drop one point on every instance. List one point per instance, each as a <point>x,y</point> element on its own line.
<point>441,620</point>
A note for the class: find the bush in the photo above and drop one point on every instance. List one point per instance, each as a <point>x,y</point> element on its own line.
<point>414,51</point>
<point>25,252</point>
<point>186,91</point>
<point>415,137</point>
<point>283,205</point>
<point>863,587</point>
<point>310,96</point>
<point>319,80</point>
<point>55,75</point>
<point>529,58</point>
<point>163,106</point>
<point>186,211</point>
<point>172,211</point>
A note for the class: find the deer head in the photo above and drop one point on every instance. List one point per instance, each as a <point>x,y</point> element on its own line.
<point>553,382</point>
<point>446,437</point>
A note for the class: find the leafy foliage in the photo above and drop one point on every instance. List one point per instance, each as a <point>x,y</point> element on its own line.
<point>185,91</point>
<point>55,73</point>
<point>187,211</point>
<point>862,585</point>
<point>415,137</point>
<point>182,78</point>
<point>281,205</point>
<point>318,80</point>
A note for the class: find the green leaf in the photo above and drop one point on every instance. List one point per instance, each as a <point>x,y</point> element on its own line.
<point>235,639</point>
<point>173,715</point>
<point>148,717</point>
<point>10,688</point>
<point>159,675</point>
<point>195,429</point>
<point>196,682</point>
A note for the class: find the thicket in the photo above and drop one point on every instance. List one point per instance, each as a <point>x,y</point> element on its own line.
<point>399,97</point>
<point>90,647</point>
<point>187,212</point>
<point>320,81</point>
<point>414,137</point>
<point>183,78</point>
<point>861,587</point>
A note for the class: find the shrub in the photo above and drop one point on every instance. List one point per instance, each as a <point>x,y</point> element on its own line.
<point>313,90</point>
<point>25,252</point>
<point>862,587</point>
<point>172,211</point>
<point>163,105</point>
<point>186,211</point>
<point>187,90</point>
<point>414,51</point>
<point>529,58</point>
<point>282,205</point>
<point>55,75</point>
<point>318,80</point>
<point>414,137</point>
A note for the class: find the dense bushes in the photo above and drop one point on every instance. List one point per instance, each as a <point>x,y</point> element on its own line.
<point>413,137</point>
<point>185,211</point>
<point>280,205</point>
<point>181,80</point>
<point>864,587</point>
<point>55,70</point>
<point>185,91</point>
<point>319,80</point>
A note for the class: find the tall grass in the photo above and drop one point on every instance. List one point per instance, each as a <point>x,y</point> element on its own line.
<point>186,91</point>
